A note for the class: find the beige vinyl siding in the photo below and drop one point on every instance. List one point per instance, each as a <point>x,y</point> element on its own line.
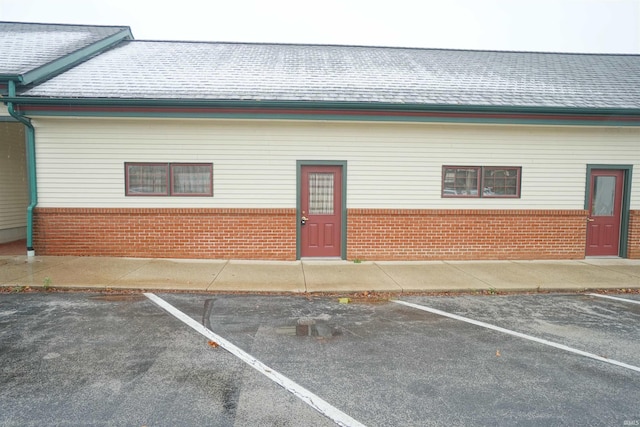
<point>13,177</point>
<point>390,165</point>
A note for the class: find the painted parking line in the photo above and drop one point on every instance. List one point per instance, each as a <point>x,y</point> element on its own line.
<point>632,301</point>
<point>518,334</point>
<point>297,390</point>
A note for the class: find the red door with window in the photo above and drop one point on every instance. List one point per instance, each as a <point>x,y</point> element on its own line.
<point>321,211</point>
<point>605,212</point>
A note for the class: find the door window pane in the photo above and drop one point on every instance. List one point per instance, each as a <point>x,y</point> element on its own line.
<point>604,188</point>
<point>320,193</point>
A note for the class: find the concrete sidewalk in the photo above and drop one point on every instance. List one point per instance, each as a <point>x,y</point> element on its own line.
<point>317,276</point>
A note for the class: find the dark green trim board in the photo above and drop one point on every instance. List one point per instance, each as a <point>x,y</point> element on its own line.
<point>363,117</point>
<point>66,102</point>
<point>30,135</point>
<point>626,200</point>
<point>320,110</point>
<point>343,231</point>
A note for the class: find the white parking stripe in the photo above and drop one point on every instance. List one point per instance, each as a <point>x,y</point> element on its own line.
<point>632,301</point>
<point>303,394</point>
<point>518,334</point>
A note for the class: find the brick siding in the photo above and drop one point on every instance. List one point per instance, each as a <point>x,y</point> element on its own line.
<point>634,235</point>
<point>373,234</point>
<point>167,233</point>
<point>466,234</point>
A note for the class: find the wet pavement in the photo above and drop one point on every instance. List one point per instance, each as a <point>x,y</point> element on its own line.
<point>310,276</point>
<point>120,359</point>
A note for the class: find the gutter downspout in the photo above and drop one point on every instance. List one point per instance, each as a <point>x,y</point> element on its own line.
<point>31,166</point>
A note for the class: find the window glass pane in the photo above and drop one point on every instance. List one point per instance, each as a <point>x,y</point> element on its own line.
<point>321,193</point>
<point>604,189</point>
<point>500,182</point>
<point>147,179</point>
<point>460,181</point>
<point>191,179</point>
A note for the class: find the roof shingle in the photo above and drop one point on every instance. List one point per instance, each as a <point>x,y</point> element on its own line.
<point>319,73</point>
<point>27,46</point>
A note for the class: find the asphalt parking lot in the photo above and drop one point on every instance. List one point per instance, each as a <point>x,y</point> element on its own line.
<point>109,359</point>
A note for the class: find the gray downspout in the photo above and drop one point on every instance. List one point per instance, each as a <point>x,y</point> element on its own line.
<point>31,165</point>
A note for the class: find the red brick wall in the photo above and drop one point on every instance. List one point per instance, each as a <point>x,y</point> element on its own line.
<point>373,234</point>
<point>634,235</point>
<point>167,233</point>
<point>376,234</point>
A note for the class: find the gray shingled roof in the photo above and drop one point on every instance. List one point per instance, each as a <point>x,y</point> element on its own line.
<point>234,71</point>
<point>27,46</point>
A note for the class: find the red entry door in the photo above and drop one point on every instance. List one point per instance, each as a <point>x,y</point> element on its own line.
<point>321,211</point>
<point>605,212</point>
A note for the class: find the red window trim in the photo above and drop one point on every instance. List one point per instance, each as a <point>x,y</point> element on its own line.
<point>518,170</point>
<point>480,184</point>
<point>127,191</point>
<point>169,180</point>
<point>460,196</point>
<point>174,193</point>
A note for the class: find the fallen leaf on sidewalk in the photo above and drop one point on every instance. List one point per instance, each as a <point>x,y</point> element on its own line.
<point>497,353</point>
<point>213,344</point>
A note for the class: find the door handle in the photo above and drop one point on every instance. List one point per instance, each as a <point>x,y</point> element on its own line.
<point>303,220</point>
<point>590,219</point>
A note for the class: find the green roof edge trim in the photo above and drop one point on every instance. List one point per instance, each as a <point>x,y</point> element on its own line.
<point>370,106</point>
<point>68,61</point>
<point>548,120</point>
<point>318,110</point>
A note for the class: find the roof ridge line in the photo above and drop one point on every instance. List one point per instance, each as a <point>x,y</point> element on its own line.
<point>66,24</point>
<point>218,42</point>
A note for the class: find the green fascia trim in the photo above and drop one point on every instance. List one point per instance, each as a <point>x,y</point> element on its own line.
<point>307,110</point>
<point>337,117</point>
<point>343,231</point>
<point>74,58</point>
<point>626,200</point>
<point>321,105</point>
